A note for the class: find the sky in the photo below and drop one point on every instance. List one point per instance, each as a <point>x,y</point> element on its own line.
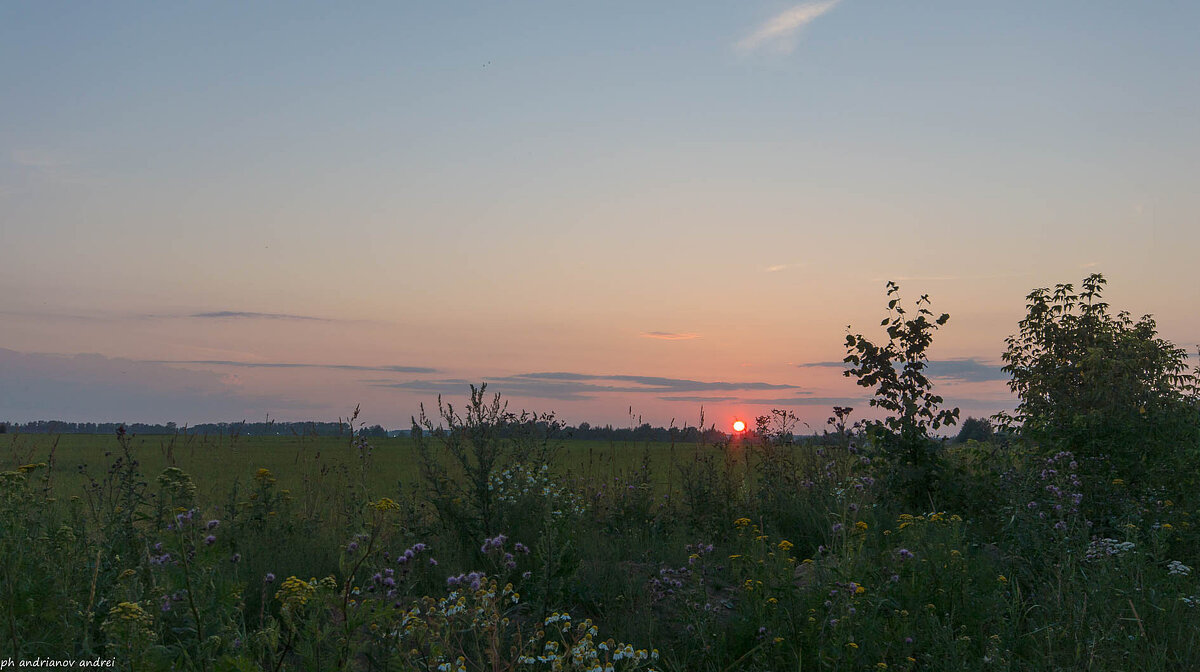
<point>618,212</point>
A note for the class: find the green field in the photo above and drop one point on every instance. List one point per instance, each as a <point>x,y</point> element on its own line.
<point>393,465</point>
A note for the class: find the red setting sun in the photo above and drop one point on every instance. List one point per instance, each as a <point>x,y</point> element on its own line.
<point>739,426</point>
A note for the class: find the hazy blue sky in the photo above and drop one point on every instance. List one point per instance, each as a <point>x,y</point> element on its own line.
<point>592,206</point>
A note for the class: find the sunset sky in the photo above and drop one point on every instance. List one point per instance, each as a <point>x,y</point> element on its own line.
<point>220,211</point>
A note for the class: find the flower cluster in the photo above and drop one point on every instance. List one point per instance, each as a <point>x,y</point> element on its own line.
<point>1099,549</point>
<point>1177,568</point>
<point>522,481</point>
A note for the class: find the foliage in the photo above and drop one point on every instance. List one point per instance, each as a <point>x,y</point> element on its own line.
<point>896,372</point>
<point>1103,386</point>
<point>975,429</point>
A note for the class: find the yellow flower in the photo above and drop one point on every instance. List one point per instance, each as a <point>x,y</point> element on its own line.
<point>264,477</point>
<point>785,545</point>
<point>295,592</point>
<point>881,666</point>
<point>1118,481</point>
<point>911,659</point>
<point>860,526</point>
<point>1002,578</point>
<point>852,645</point>
<point>741,522</point>
<point>859,590</point>
<point>1167,526</point>
<point>385,504</point>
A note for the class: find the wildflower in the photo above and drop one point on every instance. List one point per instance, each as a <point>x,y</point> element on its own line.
<point>235,558</point>
<point>212,524</point>
<point>860,526</point>
<point>741,522</point>
<point>385,504</point>
<point>852,645</point>
<point>269,578</point>
<point>904,554</point>
<point>785,545</point>
<point>1177,568</point>
<point>352,547</point>
<point>210,540</point>
<point>1002,578</point>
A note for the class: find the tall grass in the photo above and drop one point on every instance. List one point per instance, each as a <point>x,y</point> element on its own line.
<point>761,554</point>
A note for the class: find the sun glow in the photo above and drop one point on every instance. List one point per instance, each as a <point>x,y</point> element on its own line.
<point>739,426</point>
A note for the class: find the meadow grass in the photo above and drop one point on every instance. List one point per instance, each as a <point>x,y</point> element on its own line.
<point>323,553</point>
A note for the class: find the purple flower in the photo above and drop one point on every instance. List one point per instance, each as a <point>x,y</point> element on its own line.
<point>212,524</point>
<point>837,527</point>
<point>269,578</point>
<point>418,547</point>
<point>520,548</point>
<point>432,562</point>
<point>904,554</point>
<point>908,640</point>
<point>210,540</point>
<point>235,558</point>
<point>352,547</point>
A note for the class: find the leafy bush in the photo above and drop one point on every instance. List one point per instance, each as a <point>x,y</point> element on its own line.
<point>1102,386</point>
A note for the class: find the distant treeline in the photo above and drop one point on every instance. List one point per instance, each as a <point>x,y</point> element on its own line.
<point>644,432</point>
<point>210,428</point>
<point>971,428</point>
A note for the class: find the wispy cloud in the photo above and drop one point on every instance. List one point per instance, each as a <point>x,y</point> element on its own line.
<point>90,387</point>
<point>963,370</point>
<point>782,267</point>
<point>669,336</point>
<point>239,315</point>
<point>831,365</point>
<point>780,30</point>
<point>966,370</point>
<point>294,365</point>
<point>569,386</point>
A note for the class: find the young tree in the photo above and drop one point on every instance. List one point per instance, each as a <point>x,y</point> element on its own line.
<point>896,371</point>
<point>1103,386</point>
